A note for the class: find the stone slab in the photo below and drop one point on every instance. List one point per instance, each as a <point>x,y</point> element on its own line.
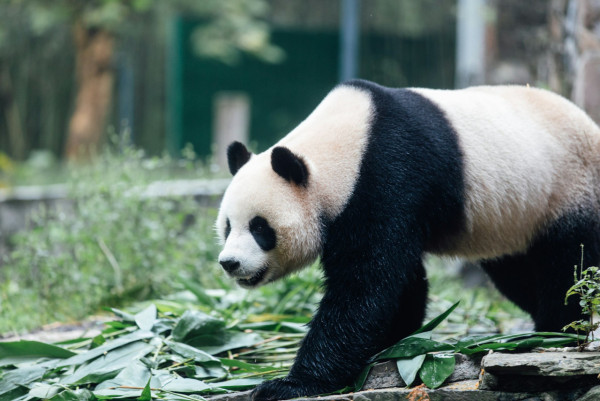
<point>543,364</point>
<point>460,391</point>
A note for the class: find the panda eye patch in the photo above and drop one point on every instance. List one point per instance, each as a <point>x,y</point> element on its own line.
<point>263,233</point>
<point>227,229</point>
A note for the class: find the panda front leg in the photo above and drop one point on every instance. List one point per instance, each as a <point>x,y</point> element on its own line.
<point>363,311</point>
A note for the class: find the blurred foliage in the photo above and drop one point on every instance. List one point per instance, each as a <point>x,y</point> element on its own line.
<point>232,26</point>
<point>115,244</point>
<point>37,60</point>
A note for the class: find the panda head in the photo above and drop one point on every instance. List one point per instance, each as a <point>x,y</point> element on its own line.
<point>268,223</point>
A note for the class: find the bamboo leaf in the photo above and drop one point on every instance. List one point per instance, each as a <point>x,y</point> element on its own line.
<point>146,318</point>
<point>146,393</point>
<point>436,369</point>
<point>30,350</point>
<point>184,385</point>
<point>14,379</point>
<point>109,365</point>
<point>437,320</point>
<point>73,395</point>
<point>245,366</point>
<point>410,347</point>
<point>224,341</point>
<point>408,368</point>
<point>194,323</point>
<point>188,351</point>
<point>45,391</point>
<point>238,384</point>
<point>109,346</point>
<point>362,378</point>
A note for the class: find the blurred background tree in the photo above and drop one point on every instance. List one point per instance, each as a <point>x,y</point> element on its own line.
<point>94,25</point>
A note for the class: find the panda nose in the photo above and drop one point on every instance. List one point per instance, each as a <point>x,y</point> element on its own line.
<point>229,265</point>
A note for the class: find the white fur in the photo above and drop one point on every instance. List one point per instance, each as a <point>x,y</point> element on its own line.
<point>527,154</point>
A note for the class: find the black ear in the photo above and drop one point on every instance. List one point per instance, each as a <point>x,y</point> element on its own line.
<point>237,156</point>
<point>289,166</point>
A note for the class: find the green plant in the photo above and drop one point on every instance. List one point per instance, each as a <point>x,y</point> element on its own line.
<point>587,287</point>
<point>433,361</point>
<point>115,244</point>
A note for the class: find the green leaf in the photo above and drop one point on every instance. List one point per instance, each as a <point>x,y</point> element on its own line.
<point>198,291</point>
<point>224,341</point>
<point>362,378</point>
<point>245,366</point>
<point>146,318</point>
<point>96,352</point>
<point>42,390</point>
<point>184,385</point>
<point>109,365</point>
<point>473,344</point>
<point>128,317</point>
<point>23,350</point>
<point>98,341</point>
<point>188,351</point>
<point>408,368</point>
<point>284,327</point>
<point>14,379</point>
<point>74,395</point>
<point>436,369</point>
<point>238,384</point>
<point>134,375</point>
<point>437,320</point>
<point>194,323</point>
<point>410,347</point>
<point>146,392</point>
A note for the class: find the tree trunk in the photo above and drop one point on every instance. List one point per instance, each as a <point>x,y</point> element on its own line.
<point>95,76</point>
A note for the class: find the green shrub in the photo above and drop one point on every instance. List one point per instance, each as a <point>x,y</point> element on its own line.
<point>587,287</point>
<point>115,244</point>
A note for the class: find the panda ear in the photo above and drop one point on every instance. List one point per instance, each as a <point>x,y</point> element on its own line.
<point>289,166</point>
<point>237,156</point>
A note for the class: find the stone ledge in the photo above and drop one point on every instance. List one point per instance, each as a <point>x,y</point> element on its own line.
<point>543,363</point>
<point>460,391</point>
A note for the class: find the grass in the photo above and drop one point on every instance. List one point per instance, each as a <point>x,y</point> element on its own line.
<point>114,246</point>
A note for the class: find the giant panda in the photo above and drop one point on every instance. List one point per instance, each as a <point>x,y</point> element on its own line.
<point>375,177</point>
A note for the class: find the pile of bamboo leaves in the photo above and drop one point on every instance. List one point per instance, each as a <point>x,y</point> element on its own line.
<point>150,355</point>
<point>159,354</point>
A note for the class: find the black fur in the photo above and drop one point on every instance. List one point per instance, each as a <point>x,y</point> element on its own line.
<point>409,196</point>
<point>263,233</point>
<point>537,280</point>
<point>237,156</point>
<point>227,228</point>
<point>289,166</point>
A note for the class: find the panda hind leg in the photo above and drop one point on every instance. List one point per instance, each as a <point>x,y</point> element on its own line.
<point>538,280</point>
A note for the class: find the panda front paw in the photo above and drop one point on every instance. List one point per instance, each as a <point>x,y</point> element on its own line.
<point>282,389</point>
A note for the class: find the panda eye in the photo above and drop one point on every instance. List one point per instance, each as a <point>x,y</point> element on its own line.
<point>227,229</point>
<point>263,233</point>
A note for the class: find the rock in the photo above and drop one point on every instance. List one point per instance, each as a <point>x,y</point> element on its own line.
<point>592,395</point>
<point>543,363</point>
<point>545,371</point>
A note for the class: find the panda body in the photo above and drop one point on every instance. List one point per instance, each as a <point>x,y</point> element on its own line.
<point>375,177</point>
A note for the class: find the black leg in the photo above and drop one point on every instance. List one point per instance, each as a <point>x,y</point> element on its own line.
<point>538,280</point>
<point>364,310</point>
<point>512,275</point>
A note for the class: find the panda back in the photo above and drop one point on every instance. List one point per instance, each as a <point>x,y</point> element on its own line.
<point>530,156</point>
